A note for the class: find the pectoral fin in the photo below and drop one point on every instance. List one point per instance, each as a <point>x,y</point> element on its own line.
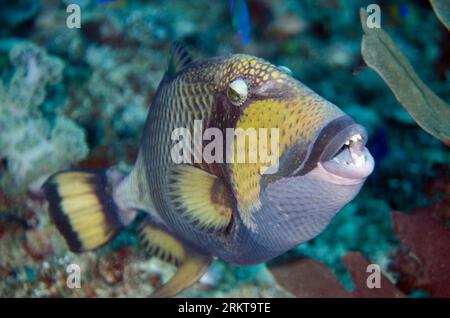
<point>160,243</point>
<point>200,197</point>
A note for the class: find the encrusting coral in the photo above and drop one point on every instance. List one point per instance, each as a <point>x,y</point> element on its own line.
<point>32,146</point>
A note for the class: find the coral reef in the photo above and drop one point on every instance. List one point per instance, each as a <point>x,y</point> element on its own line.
<point>66,91</point>
<point>423,262</point>
<point>308,278</point>
<point>32,146</point>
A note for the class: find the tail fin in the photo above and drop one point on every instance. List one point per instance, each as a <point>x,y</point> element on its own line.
<point>82,207</point>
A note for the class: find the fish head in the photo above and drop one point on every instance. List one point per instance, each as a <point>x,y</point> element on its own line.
<point>321,159</point>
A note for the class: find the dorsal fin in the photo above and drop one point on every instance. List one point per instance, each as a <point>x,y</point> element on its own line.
<point>179,57</point>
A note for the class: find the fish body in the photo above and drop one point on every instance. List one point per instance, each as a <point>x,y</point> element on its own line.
<point>211,204</point>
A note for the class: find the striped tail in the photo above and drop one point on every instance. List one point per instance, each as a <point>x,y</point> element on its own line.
<point>82,208</point>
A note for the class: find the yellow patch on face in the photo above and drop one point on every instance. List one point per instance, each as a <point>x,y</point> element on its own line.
<point>296,119</point>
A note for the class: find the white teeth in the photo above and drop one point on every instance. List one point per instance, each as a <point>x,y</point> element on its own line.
<point>355,138</point>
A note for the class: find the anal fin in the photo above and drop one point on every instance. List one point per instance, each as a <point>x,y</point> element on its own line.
<point>159,243</point>
<point>192,269</point>
<point>162,244</point>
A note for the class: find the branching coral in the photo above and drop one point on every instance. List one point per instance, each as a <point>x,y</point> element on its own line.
<point>30,145</point>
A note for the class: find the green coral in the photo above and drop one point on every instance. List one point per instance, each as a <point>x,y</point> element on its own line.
<point>31,146</point>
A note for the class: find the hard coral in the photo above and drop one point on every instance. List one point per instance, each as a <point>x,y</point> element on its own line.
<point>310,278</point>
<point>31,146</point>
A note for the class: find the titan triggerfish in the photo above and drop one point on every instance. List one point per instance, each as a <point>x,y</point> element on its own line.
<point>209,204</point>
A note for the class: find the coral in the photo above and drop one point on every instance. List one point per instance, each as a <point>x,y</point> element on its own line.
<point>310,278</point>
<point>424,261</point>
<point>425,265</point>
<point>32,146</point>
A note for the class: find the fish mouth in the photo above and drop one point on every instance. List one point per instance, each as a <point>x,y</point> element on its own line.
<point>346,155</point>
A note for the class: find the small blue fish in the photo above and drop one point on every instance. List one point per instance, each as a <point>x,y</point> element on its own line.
<point>240,16</point>
<point>404,11</point>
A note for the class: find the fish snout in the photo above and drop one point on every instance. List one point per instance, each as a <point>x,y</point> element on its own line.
<point>339,153</point>
<point>346,155</point>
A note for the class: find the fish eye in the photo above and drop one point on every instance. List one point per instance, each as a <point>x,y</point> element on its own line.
<point>237,92</point>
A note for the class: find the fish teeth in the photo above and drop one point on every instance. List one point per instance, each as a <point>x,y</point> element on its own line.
<point>356,138</point>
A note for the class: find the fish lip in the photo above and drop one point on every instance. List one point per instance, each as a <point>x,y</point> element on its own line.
<point>351,171</point>
<point>346,155</point>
